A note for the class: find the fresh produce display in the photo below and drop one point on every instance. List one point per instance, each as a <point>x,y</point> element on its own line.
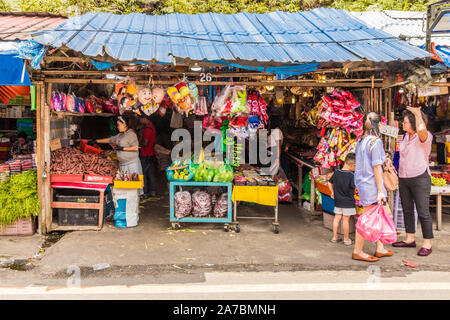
<point>180,171</point>
<point>221,206</point>
<point>18,197</point>
<point>441,182</point>
<point>126,176</point>
<point>73,161</point>
<point>445,176</point>
<point>183,204</point>
<point>201,203</point>
<point>223,173</point>
<point>204,173</point>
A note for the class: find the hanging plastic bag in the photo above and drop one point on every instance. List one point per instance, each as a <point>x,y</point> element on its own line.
<point>201,202</point>
<point>369,224</point>
<point>388,230</point>
<point>220,102</point>
<point>221,206</point>
<point>70,103</point>
<point>239,101</point>
<point>183,204</point>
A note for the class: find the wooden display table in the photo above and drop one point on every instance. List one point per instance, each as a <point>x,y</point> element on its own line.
<point>100,187</point>
<point>263,195</point>
<point>300,163</point>
<point>439,192</point>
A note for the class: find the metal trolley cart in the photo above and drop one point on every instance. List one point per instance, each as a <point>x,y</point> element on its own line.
<point>263,195</point>
<point>210,219</point>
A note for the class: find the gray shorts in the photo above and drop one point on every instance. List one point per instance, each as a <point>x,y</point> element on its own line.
<point>345,211</point>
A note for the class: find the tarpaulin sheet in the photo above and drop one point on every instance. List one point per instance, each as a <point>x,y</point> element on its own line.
<point>11,69</point>
<point>264,195</point>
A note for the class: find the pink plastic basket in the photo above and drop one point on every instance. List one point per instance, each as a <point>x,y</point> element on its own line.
<point>22,227</point>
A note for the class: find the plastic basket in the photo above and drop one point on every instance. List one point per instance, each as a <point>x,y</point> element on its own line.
<point>22,227</point>
<point>327,204</point>
<point>130,184</point>
<point>323,188</point>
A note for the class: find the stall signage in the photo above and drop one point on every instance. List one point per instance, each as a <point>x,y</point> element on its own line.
<point>205,77</point>
<point>389,131</point>
<point>433,90</point>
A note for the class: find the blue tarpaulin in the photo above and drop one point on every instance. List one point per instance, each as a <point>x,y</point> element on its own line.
<point>11,69</point>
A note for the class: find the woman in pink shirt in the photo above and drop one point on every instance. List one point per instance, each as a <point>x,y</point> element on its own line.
<point>415,179</point>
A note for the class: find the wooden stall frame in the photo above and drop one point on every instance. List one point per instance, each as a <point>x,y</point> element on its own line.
<point>369,85</point>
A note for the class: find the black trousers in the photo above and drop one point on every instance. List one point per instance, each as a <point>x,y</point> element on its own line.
<point>149,174</point>
<point>417,191</point>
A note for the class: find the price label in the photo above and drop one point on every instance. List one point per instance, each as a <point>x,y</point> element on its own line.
<point>389,131</point>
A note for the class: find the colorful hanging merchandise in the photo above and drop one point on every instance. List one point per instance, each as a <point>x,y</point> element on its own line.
<point>184,96</point>
<point>341,126</point>
<point>257,106</point>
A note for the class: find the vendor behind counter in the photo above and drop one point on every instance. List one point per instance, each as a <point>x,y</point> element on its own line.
<point>21,146</point>
<point>126,145</point>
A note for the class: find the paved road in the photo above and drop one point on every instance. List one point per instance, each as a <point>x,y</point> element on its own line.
<point>320,285</point>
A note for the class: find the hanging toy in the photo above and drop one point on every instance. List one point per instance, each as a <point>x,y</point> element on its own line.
<point>158,95</point>
<point>131,89</point>
<point>193,91</point>
<point>183,89</point>
<point>174,94</point>
<point>120,89</point>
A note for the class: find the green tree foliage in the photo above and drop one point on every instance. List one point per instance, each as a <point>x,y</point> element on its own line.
<point>73,7</point>
<point>377,5</point>
<point>5,6</point>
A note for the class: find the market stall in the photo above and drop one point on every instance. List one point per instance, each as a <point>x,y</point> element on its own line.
<point>238,90</point>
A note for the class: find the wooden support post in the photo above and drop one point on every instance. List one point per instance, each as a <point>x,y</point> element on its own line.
<point>313,195</point>
<point>40,101</point>
<point>439,212</point>
<point>300,183</point>
<point>45,154</point>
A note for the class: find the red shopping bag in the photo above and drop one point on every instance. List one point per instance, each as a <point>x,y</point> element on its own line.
<point>369,224</point>
<point>388,231</point>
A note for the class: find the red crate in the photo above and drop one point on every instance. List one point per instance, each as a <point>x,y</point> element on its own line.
<point>66,178</point>
<point>22,227</point>
<point>97,178</point>
<point>89,149</point>
<point>92,150</point>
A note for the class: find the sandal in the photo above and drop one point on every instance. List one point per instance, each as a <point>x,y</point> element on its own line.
<point>336,241</point>
<point>348,243</point>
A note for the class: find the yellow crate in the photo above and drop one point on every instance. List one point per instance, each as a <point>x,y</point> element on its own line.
<point>130,184</point>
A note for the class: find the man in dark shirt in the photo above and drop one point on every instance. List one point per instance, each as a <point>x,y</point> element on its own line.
<point>147,143</point>
<point>342,184</point>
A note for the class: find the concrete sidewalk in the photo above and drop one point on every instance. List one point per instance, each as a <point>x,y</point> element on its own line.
<point>300,244</point>
<point>155,251</point>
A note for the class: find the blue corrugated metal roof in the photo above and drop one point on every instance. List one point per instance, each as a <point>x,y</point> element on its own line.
<point>318,35</point>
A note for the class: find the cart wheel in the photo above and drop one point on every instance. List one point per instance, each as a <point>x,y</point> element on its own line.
<point>237,229</point>
<point>176,226</point>
<point>226,228</point>
<point>276,229</point>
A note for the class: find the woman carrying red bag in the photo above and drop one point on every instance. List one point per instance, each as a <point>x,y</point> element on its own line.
<point>370,157</point>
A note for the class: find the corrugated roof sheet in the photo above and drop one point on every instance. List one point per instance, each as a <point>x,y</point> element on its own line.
<point>319,35</point>
<point>16,26</point>
<point>408,25</point>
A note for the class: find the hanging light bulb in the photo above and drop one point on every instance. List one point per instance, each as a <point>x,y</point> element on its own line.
<point>196,67</point>
<point>269,88</point>
<point>293,99</point>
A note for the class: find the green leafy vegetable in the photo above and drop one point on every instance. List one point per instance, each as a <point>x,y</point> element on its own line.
<point>18,197</point>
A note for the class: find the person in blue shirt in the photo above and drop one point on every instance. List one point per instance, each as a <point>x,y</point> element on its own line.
<point>370,157</point>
